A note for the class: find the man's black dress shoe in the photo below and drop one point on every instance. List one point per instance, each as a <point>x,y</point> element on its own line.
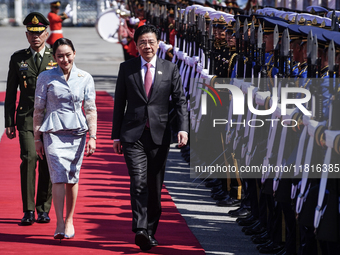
<point>221,195</point>
<point>255,224</point>
<point>153,241</point>
<point>265,234</point>
<point>28,218</point>
<point>216,189</point>
<point>230,212</point>
<point>228,201</point>
<point>247,221</point>
<point>261,238</point>
<point>142,240</point>
<point>212,183</point>
<point>255,231</point>
<point>271,248</point>
<point>263,245</point>
<point>282,252</point>
<point>240,219</point>
<point>43,217</point>
<point>240,213</point>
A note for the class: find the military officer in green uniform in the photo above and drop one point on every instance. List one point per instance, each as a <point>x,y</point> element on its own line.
<point>24,67</point>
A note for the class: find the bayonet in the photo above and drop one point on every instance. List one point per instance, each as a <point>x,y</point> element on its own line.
<point>276,45</point>
<point>176,13</point>
<point>242,52</point>
<point>245,31</point>
<point>211,30</point>
<point>146,10</point>
<point>335,22</point>
<point>314,53</point>
<point>259,37</point>
<point>309,53</point>
<point>210,45</point>
<point>251,51</point>
<point>331,65</point>
<point>285,43</point>
<point>204,27</point>
<point>334,121</point>
<point>252,34</point>
<point>258,50</point>
<point>237,34</point>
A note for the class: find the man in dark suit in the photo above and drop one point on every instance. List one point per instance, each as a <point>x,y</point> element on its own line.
<point>141,128</point>
<point>24,68</point>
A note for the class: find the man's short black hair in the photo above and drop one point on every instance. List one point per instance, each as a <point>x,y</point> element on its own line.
<point>145,29</point>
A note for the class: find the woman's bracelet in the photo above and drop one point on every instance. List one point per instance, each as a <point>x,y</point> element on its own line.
<point>37,140</point>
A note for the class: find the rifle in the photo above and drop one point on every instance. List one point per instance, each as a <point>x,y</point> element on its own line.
<point>176,25</point>
<point>285,51</point>
<point>131,9</point>
<point>211,39</point>
<point>205,41</point>
<point>261,67</point>
<point>334,121</point>
<point>251,54</point>
<point>316,89</point>
<point>157,16</point>
<point>199,37</point>
<point>195,32</point>
<point>189,33</point>
<point>146,10</point>
<point>165,25</point>
<point>276,46</point>
<point>257,67</point>
<point>243,50</point>
<point>238,50</point>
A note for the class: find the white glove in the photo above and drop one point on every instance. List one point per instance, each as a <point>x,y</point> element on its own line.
<point>68,11</point>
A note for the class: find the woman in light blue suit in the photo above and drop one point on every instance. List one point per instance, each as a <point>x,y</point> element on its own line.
<point>59,120</point>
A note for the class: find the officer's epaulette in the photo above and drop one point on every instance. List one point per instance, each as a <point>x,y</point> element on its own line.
<point>20,51</point>
<point>49,49</point>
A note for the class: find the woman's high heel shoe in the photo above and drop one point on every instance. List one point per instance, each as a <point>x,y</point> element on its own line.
<point>59,236</point>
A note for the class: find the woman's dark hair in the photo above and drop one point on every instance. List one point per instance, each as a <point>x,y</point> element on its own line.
<point>62,41</point>
<point>145,29</point>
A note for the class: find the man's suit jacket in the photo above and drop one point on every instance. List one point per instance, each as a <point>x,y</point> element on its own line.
<point>132,108</point>
<point>23,72</point>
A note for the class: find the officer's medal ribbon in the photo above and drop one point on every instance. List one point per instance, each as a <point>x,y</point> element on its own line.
<point>23,69</point>
<point>51,65</point>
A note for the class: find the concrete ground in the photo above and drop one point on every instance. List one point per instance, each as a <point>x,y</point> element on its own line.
<point>217,233</point>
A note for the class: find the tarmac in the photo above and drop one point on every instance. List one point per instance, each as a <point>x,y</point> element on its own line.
<point>216,232</point>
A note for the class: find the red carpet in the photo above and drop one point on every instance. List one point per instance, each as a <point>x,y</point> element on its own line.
<point>103,213</point>
<point>2,96</point>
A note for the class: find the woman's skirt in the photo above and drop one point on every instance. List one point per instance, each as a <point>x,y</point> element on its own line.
<point>64,152</point>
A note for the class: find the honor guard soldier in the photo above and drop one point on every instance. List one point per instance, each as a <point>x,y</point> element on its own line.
<point>24,67</point>
<point>55,22</point>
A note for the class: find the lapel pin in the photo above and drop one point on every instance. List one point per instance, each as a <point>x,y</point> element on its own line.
<point>159,72</point>
<point>80,75</point>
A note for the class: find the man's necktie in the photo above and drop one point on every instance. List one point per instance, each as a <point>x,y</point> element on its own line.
<point>38,60</point>
<point>147,85</point>
<point>148,80</point>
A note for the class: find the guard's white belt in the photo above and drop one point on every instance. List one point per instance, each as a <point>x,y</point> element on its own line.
<point>56,31</point>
